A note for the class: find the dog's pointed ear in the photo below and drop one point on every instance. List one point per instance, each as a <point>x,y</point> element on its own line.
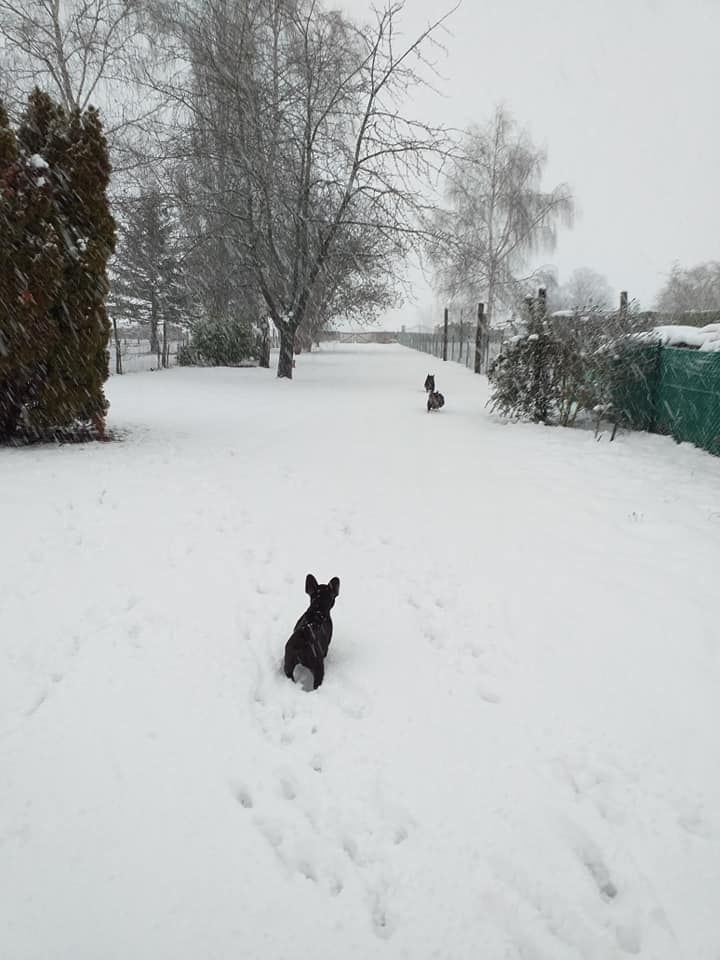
<point>335,585</point>
<point>311,584</point>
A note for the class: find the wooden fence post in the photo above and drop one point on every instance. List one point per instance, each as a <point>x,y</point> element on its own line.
<point>445,334</point>
<point>542,303</point>
<point>118,354</point>
<point>479,336</point>
<point>165,343</point>
<point>623,304</point>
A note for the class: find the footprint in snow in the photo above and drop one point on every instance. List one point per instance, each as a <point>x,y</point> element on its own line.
<point>271,832</point>
<point>489,696</point>
<point>400,836</point>
<point>474,650</point>
<point>600,874</point>
<point>350,848</point>
<point>243,797</point>
<point>433,640</point>
<point>288,789</point>
<point>37,704</point>
<point>381,921</point>
<point>307,870</point>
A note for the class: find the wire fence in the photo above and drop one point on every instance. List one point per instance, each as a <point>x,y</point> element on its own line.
<point>136,356</point>
<point>460,349</point>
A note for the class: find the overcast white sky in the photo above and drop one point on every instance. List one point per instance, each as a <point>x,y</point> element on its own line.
<point>625,97</point>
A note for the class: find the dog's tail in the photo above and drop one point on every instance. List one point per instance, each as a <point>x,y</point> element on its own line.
<point>304,677</point>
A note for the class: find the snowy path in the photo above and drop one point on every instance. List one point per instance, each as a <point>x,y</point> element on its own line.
<point>515,754</point>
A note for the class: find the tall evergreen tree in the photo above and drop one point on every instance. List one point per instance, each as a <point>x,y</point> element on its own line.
<point>147,279</point>
<point>79,169</point>
<point>56,236</point>
<point>30,280</point>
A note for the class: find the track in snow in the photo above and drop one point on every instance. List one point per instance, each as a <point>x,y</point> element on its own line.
<point>509,757</point>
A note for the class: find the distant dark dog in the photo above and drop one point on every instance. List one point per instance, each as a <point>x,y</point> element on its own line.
<point>307,648</point>
<point>429,383</point>
<point>435,401</point>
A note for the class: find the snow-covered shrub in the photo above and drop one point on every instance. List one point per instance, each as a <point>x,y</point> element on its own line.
<point>520,377</point>
<point>225,342</point>
<point>625,376</point>
<point>577,363</point>
<point>569,365</point>
<point>187,356</point>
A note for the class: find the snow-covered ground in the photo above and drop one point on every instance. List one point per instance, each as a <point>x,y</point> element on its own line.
<point>516,751</point>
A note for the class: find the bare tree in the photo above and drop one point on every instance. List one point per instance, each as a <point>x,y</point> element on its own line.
<point>497,214</point>
<point>696,289</point>
<point>83,52</point>
<point>356,284</point>
<point>585,289</point>
<point>292,112</point>
<point>68,46</point>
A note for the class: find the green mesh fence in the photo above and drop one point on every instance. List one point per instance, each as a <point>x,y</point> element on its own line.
<point>633,386</point>
<point>688,397</point>
<point>671,391</point>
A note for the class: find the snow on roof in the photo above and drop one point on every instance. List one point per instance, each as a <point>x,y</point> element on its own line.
<point>675,335</point>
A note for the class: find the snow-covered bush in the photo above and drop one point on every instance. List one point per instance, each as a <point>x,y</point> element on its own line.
<point>567,366</point>
<point>187,356</point>
<point>520,377</point>
<point>219,343</point>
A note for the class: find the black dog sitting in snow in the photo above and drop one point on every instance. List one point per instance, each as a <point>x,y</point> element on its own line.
<point>435,400</point>
<point>429,383</point>
<point>307,648</point>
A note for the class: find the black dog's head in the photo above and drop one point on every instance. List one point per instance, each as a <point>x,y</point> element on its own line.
<point>429,382</point>
<point>322,595</point>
